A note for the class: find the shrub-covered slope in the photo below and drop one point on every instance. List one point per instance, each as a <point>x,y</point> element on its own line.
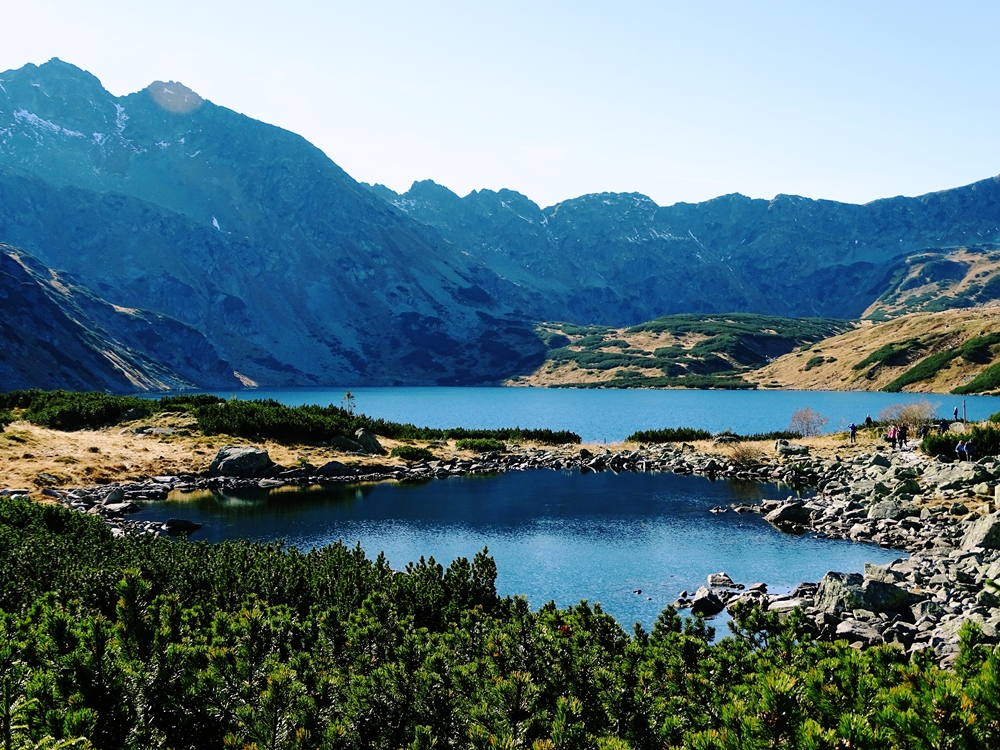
<point>694,351</point>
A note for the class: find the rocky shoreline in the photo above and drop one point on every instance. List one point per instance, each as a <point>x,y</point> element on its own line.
<point>900,500</point>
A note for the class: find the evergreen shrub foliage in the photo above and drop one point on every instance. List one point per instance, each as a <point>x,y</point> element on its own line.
<point>411,453</point>
<point>669,435</point>
<point>985,440</point>
<point>480,445</point>
<point>141,642</point>
<point>264,419</point>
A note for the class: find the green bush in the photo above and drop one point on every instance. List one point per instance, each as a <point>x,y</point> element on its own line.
<point>480,445</point>
<point>411,453</point>
<point>669,435</point>
<point>987,380</point>
<point>762,436</point>
<point>986,441</point>
<point>6,417</point>
<point>814,362</point>
<point>264,419</point>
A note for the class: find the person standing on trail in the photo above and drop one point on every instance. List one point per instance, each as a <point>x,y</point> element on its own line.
<point>902,435</point>
<point>970,451</point>
<point>960,451</point>
<point>892,436</point>
<point>956,413</point>
<point>868,420</point>
<point>854,432</point>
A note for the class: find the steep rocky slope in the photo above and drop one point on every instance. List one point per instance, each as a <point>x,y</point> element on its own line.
<point>294,272</point>
<point>58,334</point>
<point>619,259</point>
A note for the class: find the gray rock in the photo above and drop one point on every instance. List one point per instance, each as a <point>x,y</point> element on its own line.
<point>721,580</point>
<point>983,532</point>
<point>887,509</point>
<point>116,495</point>
<point>882,573</point>
<point>334,469</point>
<point>785,448</point>
<point>345,444</point>
<point>240,461</point>
<point>879,596</point>
<point>854,631</point>
<point>879,460</point>
<point>840,591</point>
<point>706,603</point>
<point>369,442</point>
<point>926,610</point>
<point>793,512</point>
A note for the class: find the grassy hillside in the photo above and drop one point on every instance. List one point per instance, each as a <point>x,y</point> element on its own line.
<point>954,351</point>
<point>692,351</point>
<point>941,279</point>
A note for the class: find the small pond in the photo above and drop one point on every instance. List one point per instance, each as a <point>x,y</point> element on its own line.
<point>555,535</point>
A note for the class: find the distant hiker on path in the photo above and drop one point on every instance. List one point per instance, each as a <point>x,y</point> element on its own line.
<point>854,432</point>
<point>970,450</point>
<point>956,413</point>
<point>960,451</point>
<point>868,420</point>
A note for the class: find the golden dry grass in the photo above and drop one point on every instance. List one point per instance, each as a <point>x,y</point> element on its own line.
<point>949,329</point>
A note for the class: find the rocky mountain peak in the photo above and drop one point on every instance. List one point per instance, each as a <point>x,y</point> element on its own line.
<point>174,96</point>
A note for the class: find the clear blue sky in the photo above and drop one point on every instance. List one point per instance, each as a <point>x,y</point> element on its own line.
<point>681,101</point>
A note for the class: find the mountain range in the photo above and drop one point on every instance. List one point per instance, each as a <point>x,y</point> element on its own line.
<point>275,267</point>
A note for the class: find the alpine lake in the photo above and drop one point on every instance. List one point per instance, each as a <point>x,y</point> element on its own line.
<point>563,535</point>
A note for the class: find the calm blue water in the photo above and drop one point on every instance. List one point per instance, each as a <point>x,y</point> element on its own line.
<point>555,535</point>
<point>609,415</point>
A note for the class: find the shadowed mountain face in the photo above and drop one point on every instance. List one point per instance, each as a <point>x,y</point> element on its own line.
<point>57,334</point>
<point>620,259</point>
<point>294,272</point>
<point>298,275</point>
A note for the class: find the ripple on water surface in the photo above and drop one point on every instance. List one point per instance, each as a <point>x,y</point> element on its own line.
<point>555,535</point>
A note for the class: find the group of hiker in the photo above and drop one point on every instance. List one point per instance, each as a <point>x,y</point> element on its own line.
<point>898,435</point>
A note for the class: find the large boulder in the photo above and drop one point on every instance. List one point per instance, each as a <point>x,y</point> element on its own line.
<point>706,603</point>
<point>334,469</point>
<point>345,444</point>
<point>887,509</point>
<point>369,442</point>
<point>984,532</point>
<point>855,631</point>
<point>840,591</point>
<point>880,596</point>
<point>722,581</point>
<point>789,513</point>
<point>240,461</point>
<point>785,448</point>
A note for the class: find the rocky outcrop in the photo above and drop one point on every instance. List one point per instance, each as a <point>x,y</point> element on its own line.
<point>368,442</point>
<point>983,532</point>
<point>240,461</point>
<point>56,333</point>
